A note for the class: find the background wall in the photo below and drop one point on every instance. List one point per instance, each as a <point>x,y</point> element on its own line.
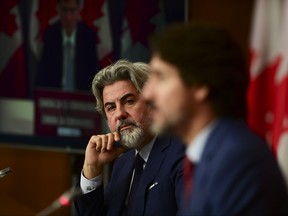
<point>37,179</point>
<point>233,15</point>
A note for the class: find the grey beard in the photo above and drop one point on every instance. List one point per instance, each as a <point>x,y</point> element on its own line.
<point>132,138</point>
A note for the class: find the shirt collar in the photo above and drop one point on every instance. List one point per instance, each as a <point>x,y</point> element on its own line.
<point>71,38</point>
<point>145,151</point>
<point>197,145</point>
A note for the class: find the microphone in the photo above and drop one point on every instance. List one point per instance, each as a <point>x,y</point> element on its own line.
<point>5,172</point>
<point>64,200</point>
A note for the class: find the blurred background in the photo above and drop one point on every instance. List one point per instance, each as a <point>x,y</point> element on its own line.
<point>46,153</point>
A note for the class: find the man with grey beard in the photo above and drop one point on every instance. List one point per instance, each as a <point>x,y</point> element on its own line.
<point>117,89</point>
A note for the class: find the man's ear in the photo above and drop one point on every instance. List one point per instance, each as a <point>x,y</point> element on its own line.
<point>200,93</point>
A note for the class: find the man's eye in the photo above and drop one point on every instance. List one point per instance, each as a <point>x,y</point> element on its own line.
<point>160,77</point>
<point>130,101</point>
<point>110,108</point>
<point>157,76</point>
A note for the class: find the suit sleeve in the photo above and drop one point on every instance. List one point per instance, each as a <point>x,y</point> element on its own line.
<point>87,64</point>
<point>91,203</point>
<point>49,72</point>
<point>44,63</point>
<point>245,184</point>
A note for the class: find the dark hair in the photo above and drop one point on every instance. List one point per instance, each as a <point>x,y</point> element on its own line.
<point>207,56</point>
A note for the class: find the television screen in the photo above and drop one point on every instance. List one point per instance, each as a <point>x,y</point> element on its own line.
<point>33,55</point>
<point>54,120</point>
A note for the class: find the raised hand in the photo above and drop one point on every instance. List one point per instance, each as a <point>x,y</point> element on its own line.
<point>100,151</point>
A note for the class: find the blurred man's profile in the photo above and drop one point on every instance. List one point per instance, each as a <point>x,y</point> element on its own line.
<point>197,90</point>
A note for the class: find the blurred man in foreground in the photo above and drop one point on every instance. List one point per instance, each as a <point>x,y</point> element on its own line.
<point>197,90</point>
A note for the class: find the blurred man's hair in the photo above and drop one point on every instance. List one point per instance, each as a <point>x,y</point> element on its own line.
<point>207,56</point>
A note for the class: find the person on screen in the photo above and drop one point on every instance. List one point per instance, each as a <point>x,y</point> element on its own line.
<point>69,57</point>
<point>197,90</point>
<point>117,89</point>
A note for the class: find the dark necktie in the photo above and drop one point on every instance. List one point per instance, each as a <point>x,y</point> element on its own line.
<point>188,179</point>
<point>138,169</point>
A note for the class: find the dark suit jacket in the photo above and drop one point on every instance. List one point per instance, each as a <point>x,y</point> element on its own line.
<point>164,167</point>
<point>51,64</point>
<point>237,175</point>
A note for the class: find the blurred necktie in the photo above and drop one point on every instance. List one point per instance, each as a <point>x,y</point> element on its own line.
<point>188,179</point>
<point>138,167</point>
<point>69,68</point>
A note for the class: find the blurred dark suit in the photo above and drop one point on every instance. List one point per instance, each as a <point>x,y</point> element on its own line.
<point>50,71</point>
<point>236,175</point>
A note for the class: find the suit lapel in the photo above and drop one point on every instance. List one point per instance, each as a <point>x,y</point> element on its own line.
<point>152,168</point>
<point>216,137</point>
<point>123,183</point>
<point>155,160</point>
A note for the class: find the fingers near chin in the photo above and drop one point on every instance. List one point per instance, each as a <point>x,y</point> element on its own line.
<point>117,136</point>
<point>111,141</point>
<point>98,141</point>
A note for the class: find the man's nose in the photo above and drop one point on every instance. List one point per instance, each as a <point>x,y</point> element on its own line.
<point>120,112</point>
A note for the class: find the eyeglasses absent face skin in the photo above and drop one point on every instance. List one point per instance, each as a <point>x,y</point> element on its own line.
<point>174,105</point>
<point>127,112</point>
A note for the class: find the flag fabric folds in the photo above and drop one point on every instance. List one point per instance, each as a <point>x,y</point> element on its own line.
<point>96,16</point>
<point>43,14</point>
<point>141,18</point>
<point>268,90</point>
<point>13,76</point>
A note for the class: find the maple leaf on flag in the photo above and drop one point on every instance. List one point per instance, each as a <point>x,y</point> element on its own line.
<point>12,61</point>
<point>268,90</point>
<point>43,14</point>
<point>46,11</point>
<point>139,14</point>
<point>95,14</point>
<point>90,12</point>
<point>261,119</point>
<point>5,10</point>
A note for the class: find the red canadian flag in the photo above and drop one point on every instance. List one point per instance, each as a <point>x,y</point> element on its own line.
<point>268,91</point>
<point>141,18</point>
<point>13,77</point>
<point>95,14</point>
<point>43,14</point>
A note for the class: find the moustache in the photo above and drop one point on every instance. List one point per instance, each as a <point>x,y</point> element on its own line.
<point>124,123</point>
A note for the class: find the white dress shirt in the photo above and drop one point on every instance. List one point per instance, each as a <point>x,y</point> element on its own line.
<point>72,40</point>
<point>197,145</point>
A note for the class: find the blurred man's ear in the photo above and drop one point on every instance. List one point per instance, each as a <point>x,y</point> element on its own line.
<point>200,93</point>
